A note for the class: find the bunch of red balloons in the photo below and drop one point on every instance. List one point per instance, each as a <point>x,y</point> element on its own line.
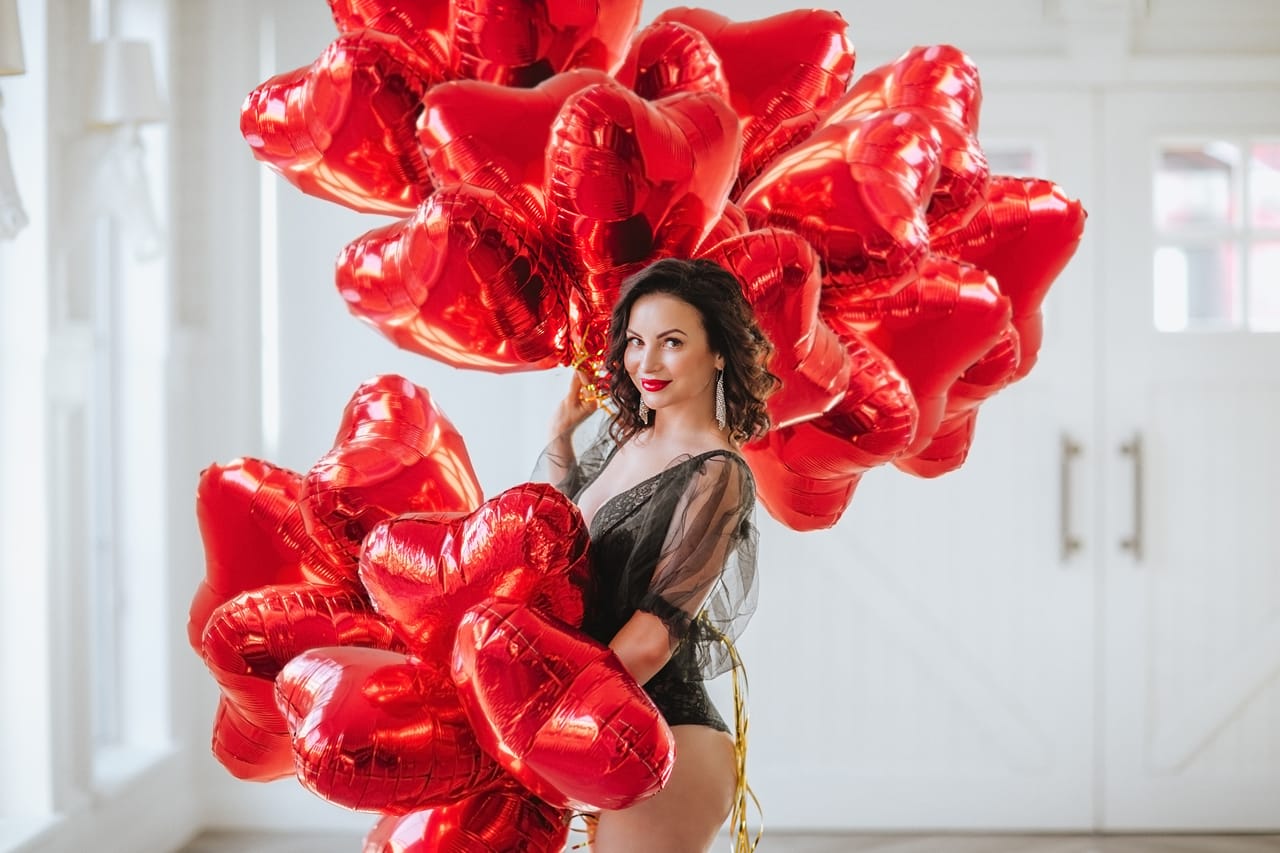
<point>541,151</point>
<point>401,645</point>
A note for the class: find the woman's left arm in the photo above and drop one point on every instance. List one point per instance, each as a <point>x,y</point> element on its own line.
<point>702,532</point>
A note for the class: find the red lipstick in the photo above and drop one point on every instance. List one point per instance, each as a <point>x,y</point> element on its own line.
<point>654,384</point>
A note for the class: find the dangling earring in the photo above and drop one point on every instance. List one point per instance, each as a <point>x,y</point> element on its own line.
<point>721,415</point>
<point>643,412</point>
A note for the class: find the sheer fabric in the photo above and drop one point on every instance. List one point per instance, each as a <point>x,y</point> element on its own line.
<point>681,545</point>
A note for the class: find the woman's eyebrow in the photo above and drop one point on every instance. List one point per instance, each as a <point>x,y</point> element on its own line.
<point>660,334</point>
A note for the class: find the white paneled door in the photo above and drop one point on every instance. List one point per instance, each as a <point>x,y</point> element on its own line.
<point>1191,515</point>
<point>939,667</point>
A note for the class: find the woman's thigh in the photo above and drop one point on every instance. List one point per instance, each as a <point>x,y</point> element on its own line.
<point>685,816</point>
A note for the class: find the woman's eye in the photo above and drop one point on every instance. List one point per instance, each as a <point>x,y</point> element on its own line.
<point>673,342</point>
<point>635,342</point>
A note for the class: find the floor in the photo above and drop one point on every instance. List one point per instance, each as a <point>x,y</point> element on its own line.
<point>230,842</point>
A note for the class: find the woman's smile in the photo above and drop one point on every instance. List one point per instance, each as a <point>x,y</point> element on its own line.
<point>654,384</point>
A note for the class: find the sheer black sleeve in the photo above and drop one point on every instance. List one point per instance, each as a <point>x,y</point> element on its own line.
<point>573,460</point>
<point>703,584</point>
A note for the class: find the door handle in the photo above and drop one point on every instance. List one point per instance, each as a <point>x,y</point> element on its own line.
<point>1069,450</point>
<point>1133,542</point>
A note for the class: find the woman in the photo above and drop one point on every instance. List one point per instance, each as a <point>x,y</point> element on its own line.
<point>669,501</point>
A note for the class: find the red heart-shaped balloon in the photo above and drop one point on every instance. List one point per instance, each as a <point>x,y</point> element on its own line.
<point>495,137</point>
<point>806,474</point>
<point>527,544</point>
<point>630,181</point>
<point>468,280</point>
<point>784,72</point>
<point>395,452</point>
<point>559,710</point>
<point>781,278</point>
<point>939,78</point>
<point>523,42</point>
<point>372,729</point>
<point>932,331</point>
<point>253,535</point>
<point>1023,236</point>
<point>667,58</point>
<point>857,191</point>
<point>505,819</point>
<point>345,128</point>
<point>250,639</point>
<point>247,750</point>
<point>421,24</point>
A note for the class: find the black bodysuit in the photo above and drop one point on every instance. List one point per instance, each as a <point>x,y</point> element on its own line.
<point>682,546</point>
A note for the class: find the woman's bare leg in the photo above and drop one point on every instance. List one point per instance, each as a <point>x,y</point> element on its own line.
<point>685,816</point>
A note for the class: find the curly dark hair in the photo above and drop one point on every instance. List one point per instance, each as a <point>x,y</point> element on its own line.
<point>732,332</point>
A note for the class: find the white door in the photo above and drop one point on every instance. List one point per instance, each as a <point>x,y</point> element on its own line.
<point>1191,372</point>
<point>929,662</point>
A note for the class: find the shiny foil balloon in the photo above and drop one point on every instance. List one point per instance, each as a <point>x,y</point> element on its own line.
<point>939,78</point>
<point>1024,236</point>
<point>395,452</point>
<point>781,278</point>
<point>495,137</point>
<point>372,729</point>
<point>423,572</point>
<point>784,72</point>
<point>469,280</point>
<point>421,24</point>
<point>249,640</point>
<point>345,129</point>
<point>559,710</point>
<point>523,42</point>
<point>932,332</point>
<point>498,821</point>
<point>631,181</point>
<point>857,192</point>
<point>667,58</point>
<point>806,474</point>
<point>949,447</point>
<point>252,531</point>
<point>732,222</point>
<point>247,750</point>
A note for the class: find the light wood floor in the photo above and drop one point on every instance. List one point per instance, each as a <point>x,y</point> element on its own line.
<point>232,842</point>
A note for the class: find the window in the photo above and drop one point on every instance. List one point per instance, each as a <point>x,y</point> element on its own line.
<point>1216,260</point>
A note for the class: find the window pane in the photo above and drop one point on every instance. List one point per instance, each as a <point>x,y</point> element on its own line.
<point>1196,287</point>
<point>1264,287</point>
<point>1264,184</point>
<point>1195,185</point>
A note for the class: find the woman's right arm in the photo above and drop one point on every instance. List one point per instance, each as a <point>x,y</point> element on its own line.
<point>568,416</point>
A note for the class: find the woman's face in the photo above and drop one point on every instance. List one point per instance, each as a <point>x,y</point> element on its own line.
<point>668,356</point>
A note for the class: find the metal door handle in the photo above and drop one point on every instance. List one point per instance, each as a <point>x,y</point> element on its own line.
<point>1133,542</point>
<point>1071,543</point>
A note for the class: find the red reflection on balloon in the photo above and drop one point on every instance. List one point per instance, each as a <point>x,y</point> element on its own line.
<point>395,452</point>
<point>468,280</point>
<point>782,278</point>
<point>250,638</point>
<point>631,181</point>
<point>559,710</point>
<point>523,42</point>
<point>784,72</point>
<point>1024,236</point>
<point>345,128</point>
<point>495,137</point>
<point>492,822</point>
<point>423,571</point>
<point>857,192</point>
<point>421,24</point>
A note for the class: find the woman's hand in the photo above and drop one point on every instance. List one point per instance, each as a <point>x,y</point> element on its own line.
<point>573,409</point>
